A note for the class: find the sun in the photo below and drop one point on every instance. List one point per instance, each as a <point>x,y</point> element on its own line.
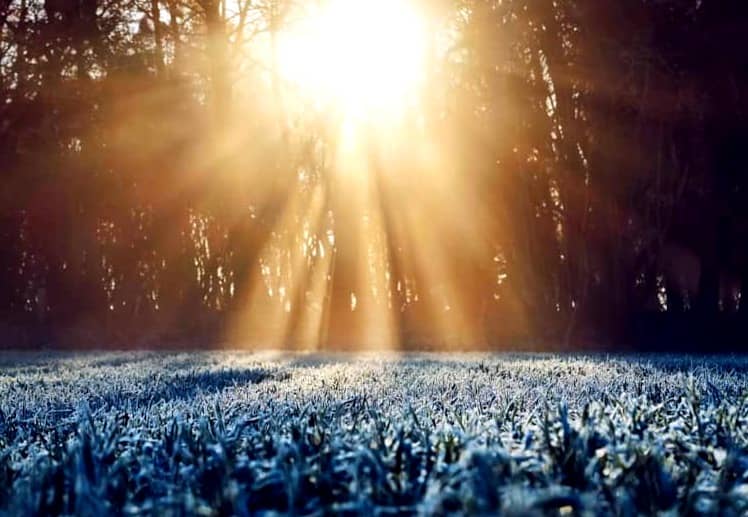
<point>363,57</point>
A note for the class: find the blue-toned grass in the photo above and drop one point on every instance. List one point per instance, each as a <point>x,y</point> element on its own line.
<point>238,433</point>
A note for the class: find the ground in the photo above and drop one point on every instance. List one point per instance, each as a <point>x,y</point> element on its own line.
<point>242,433</point>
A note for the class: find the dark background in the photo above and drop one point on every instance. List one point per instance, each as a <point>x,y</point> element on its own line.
<point>605,142</point>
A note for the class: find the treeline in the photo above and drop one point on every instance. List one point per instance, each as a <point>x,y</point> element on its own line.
<point>159,184</point>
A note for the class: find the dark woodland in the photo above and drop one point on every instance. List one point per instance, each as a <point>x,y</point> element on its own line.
<point>148,167</point>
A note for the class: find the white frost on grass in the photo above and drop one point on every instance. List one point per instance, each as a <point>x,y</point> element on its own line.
<point>234,432</point>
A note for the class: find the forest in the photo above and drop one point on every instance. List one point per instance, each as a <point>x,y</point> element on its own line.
<point>567,172</point>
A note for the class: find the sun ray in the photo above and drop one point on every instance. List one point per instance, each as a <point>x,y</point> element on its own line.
<point>265,317</point>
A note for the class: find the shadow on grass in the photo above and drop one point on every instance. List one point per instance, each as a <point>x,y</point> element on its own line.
<point>189,384</point>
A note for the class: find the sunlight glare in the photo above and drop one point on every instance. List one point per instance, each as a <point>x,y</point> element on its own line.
<point>358,56</point>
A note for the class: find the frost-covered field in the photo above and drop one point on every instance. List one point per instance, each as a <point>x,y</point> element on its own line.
<point>240,433</point>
